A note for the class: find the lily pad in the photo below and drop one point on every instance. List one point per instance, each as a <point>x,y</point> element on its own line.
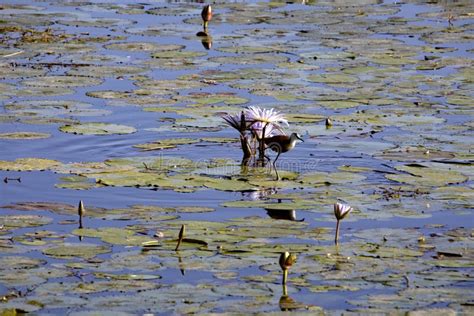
<point>24,135</point>
<point>76,183</point>
<point>333,79</point>
<point>143,46</point>
<point>97,129</point>
<point>106,71</point>
<point>29,164</point>
<point>53,108</point>
<point>83,250</point>
<point>177,54</point>
<point>114,236</point>
<point>426,176</point>
<point>166,143</point>
<point>19,221</point>
<point>324,178</point>
<point>62,81</point>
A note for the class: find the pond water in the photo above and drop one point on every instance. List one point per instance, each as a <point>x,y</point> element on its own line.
<point>119,104</point>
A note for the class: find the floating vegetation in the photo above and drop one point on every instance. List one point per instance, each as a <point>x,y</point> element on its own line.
<point>24,135</point>
<point>97,129</point>
<point>120,106</point>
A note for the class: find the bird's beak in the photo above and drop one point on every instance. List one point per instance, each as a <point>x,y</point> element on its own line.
<point>300,138</point>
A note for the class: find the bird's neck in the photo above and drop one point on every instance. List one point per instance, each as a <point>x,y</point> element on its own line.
<point>292,142</point>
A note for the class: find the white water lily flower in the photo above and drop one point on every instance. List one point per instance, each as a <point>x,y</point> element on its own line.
<point>237,121</point>
<point>270,130</point>
<point>269,117</point>
<point>341,210</point>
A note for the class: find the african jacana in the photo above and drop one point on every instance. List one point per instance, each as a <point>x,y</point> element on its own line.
<point>206,15</point>
<point>282,144</point>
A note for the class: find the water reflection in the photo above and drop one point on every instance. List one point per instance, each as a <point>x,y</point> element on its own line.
<point>287,303</point>
<point>181,264</point>
<point>80,212</point>
<point>283,214</point>
<point>261,194</point>
<point>206,41</point>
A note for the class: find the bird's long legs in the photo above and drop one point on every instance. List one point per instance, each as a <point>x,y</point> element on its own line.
<point>274,165</point>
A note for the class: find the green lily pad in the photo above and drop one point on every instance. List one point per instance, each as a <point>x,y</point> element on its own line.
<point>427,176</point>
<point>250,59</point>
<point>32,276</point>
<point>325,178</point>
<point>29,164</point>
<point>114,236</point>
<point>75,183</point>
<point>24,135</point>
<point>339,104</point>
<point>410,153</point>
<point>230,185</point>
<point>210,98</point>
<point>304,118</point>
<point>19,221</point>
<point>97,129</point>
<point>19,262</point>
<point>219,140</point>
<point>166,143</point>
<point>53,108</point>
<point>333,79</point>
<point>194,209</point>
<point>10,71</point>
<point>69,251</point>
<point>62,81</point>
<point>106,71</point>
<point>143,46</point>
<point>177,54</point>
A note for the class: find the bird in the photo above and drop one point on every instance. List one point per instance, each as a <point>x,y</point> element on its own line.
<point>206,15</point>
<point>282,144</point>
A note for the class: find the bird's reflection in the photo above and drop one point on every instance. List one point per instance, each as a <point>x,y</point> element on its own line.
<point>283,214</point>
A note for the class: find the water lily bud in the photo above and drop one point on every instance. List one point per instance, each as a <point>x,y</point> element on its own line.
<point>182,231</point>
<point>328,122</point>
<point>206,13</point>
<point>341,210</point>
<point>286,260</point>
<point>80,209</point>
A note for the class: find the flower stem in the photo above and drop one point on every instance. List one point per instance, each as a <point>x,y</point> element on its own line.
<point>246,149</point>
<point>261,148</point>
<point>337,233</point>
<point>285,276</point>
